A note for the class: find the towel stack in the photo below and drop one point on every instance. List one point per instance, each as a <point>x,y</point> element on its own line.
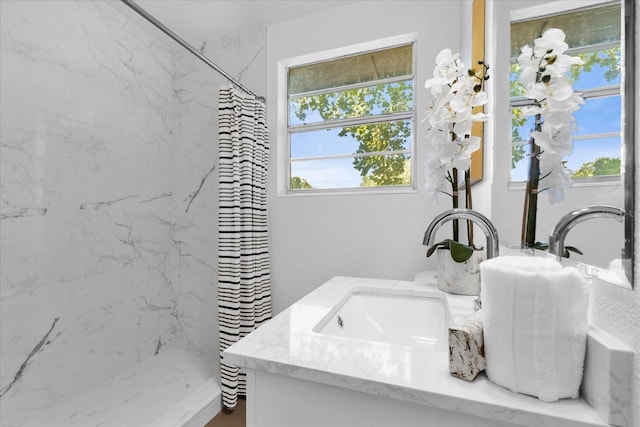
<point>535,325</point>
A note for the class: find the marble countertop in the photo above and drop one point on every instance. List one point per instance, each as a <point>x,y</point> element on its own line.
<point>287,345</point>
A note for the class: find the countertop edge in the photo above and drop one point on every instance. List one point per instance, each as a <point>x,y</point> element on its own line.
<point>422,397</point>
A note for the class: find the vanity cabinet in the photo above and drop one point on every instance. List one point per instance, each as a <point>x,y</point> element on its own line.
<point>281,401</point>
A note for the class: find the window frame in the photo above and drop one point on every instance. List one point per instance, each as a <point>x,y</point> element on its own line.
<point>284,131</point>
<point>560,8</point>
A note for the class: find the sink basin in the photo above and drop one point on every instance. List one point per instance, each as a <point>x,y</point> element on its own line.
<point>390,316</point>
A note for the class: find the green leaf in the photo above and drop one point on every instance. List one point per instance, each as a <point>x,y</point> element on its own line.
<point>541,246</point>
<point>444,245</point>
<point>544,246</point>
<point>459,252</point>
<point>569,249</point>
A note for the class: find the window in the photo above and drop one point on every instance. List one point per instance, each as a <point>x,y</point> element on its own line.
<point>593,34</point>
<point>351,122</point>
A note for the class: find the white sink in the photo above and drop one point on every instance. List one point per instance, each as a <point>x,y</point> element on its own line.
<point>391,316</point>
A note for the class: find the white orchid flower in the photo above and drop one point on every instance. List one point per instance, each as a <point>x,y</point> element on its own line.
<point>449,120</point>
<point>559,119</point>
<point>448,67</point>
<point>556,176</point>
<point>552,41</point>
<point>544,71</point>
<point>556,141</point>
<point>435,178</point>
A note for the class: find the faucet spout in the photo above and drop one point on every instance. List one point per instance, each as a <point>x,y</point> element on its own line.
<point>566,223</point>
<point>459,213</point>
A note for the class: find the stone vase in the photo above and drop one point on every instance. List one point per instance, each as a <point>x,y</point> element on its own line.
<point>462,278</point>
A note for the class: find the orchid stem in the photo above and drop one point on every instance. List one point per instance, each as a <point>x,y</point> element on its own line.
<point>455,203</point>
<point>528,237</point>
<point>468,205</point>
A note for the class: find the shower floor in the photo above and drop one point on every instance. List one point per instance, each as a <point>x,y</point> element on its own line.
<point>171,388</point>
<point>237,418</point>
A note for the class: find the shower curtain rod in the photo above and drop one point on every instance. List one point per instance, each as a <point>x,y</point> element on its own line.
<point>187,46</point>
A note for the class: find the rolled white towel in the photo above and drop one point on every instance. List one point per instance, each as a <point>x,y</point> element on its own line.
<point>535,325</point>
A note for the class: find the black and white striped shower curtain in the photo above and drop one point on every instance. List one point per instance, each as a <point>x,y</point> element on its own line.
<point>244,291</point>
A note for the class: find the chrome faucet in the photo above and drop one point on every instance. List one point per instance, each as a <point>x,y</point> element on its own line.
<point>483,222</point>
<point>566,223</point>
<point>460,213</point>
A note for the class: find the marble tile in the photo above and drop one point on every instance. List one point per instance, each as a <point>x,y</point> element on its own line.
<point>108,182</point>
<point>606,384</point>
<point>170,389</point>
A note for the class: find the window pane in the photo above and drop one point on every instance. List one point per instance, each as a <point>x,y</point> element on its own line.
<point>350,121</point>
<point>601,67</point>
<point>599,115</point>
<point>386,136</point>
<point>586,27</point>
<point>515,88</point>
<point>367,67</point>
<point>323,142</point>
<point>521,127</point>
<point>369,171</point>
<point>326,173</point>
<point>361,102</point>
<point>592,157</point>
<point>520,162</point>
<point>585,30</point>
<point>595,157</point>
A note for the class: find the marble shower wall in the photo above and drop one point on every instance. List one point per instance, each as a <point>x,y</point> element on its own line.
<point>108,200</point>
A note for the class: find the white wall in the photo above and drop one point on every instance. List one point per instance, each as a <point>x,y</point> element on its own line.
<point>317,237</point>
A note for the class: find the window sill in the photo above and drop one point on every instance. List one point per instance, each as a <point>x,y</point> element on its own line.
<point>349,192</point>
<point>604,181</point>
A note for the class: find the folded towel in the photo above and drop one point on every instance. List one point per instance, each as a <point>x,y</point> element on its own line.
<point>535,325</point>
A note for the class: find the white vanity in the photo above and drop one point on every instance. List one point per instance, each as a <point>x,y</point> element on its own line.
<point>302,372</point>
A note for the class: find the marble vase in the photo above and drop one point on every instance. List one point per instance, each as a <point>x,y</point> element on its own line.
<point>462,278</point>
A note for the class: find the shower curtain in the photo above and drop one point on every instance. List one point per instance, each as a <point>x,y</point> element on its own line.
<point>244,291</point>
